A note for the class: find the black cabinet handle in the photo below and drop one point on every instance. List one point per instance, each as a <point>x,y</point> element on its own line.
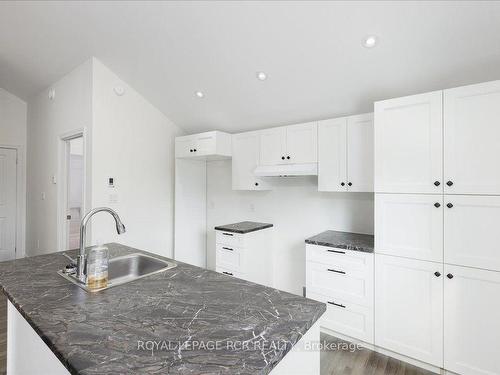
<point>256,184</point>
<point>349,183</point>
<point>449,276</point>
<point>336,304</point>
<point>437,205</point>
<point>282,158</point>
<point>227,273</point>
<point>449,205</point>
<point>437,274</point>
<point>437,183</point>
<point>288,157</point>
<point>336,271</point>
<point>227,248</point>
<point>194,150</point>
<point>191,150</point>
<point>342,184</point>
<point>449,183</point>
<point>336,251</point>
<point>227,234</point>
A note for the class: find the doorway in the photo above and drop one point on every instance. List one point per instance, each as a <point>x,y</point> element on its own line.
<point>8,203</point>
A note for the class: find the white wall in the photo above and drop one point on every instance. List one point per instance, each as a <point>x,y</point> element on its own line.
<point>133,142</point>
<point>296,209</point>
<point>13,113</point>
<point>48,119</point>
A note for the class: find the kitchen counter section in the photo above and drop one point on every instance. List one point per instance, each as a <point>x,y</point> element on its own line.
<point>100,333</point>
<point>243,227</point>
<point>344,240</point>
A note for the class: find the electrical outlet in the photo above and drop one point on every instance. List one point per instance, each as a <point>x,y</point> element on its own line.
<point>43,195</point>
<point>252,207</point>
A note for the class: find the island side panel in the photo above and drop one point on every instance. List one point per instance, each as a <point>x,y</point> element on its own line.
<point>26,351</point>
<point>304,358</point>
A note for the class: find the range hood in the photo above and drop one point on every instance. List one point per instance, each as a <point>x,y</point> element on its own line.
<point>287,170</point>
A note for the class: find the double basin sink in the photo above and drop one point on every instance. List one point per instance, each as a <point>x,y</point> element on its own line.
<point>124,269</point>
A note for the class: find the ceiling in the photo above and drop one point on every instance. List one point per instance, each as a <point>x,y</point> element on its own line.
<point>312,53</point>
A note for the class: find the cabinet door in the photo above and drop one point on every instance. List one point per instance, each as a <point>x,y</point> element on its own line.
<point>471,324</point>
<point>360,152</point>
<point>471,231</point>
<point>332,155</point>
<point>244,161</point>
<point>409,225</point>
<point>273,146</point>
<point>205,144</point>
<point>472,139</point>
<point>408,144</point>
<point>184,147</point>
<point>409,307</point>
<point>302,143</point>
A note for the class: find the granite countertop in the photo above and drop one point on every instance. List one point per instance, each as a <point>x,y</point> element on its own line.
<point>243,227</point>
<point>181,312</point>
<point>343,240</point>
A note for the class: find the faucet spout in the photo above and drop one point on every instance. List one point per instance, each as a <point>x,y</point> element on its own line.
<point>81,267</point>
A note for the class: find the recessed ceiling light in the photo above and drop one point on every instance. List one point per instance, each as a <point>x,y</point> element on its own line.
<point>261,76</point>
<point>199,94</point>
<point>370,41</point>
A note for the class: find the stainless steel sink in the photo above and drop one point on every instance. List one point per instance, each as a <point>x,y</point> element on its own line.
<point>125,269</point>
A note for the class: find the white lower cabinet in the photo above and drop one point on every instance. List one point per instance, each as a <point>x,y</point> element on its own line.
<point>343,279</point>
<point>471,321</point>
<point>409,307</point>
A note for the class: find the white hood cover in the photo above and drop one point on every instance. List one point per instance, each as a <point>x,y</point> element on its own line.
<point>287,170</point>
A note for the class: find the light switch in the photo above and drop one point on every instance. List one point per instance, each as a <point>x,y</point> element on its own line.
<point>43,195</point>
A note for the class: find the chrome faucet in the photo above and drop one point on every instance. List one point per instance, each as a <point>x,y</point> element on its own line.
<point>81,267</point>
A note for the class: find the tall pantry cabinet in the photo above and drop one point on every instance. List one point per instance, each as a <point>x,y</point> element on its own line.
<point>437,227</point>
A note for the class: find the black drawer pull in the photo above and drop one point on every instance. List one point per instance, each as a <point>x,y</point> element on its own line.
<point>336,251</point>
<point>336,271</point>
<point>336,304</point>
<point>227,273</point>
<point>228,234</point>
<point>227,248</point>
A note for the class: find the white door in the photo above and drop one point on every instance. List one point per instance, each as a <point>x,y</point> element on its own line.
<point>472,139</point>
<point>409,225</point>
<point>408,144</point>
<point>409,307</point>
<point>471,324</point>
<point>8,206</point>
<point>332,155</point>
<point>302,143</point>
<point>273,146</point>
<point>245,158</point>
<point>472,231</point>
<point>360,152</point>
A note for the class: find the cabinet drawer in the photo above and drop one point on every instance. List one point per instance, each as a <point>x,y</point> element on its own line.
<point>228,238</point>
<point>229,257</point>
<point>346,318</point>
<point>347,259</point>
<point>229,272</point>
<point>350,285</point>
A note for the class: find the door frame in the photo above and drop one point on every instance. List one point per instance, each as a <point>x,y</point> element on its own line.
<point>62,190</point>
<point>20,199</point>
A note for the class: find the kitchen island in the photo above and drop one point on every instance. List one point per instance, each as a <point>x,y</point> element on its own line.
<point>186,320</point>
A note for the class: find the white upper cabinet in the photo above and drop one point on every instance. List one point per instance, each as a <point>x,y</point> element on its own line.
<point>332,155</point>
<point>409,225</point>
<point>246,153</point>
<point>471,324</point>
<point>472,139</point>
<point>409,307</point>
<point>294,144</point>
<point>471,231</point>
<point>408,144</point>
<point>345,154</point>
<point>209,145</point>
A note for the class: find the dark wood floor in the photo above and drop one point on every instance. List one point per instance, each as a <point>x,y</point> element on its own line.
<point>361,361</point>
<point>343,361</point>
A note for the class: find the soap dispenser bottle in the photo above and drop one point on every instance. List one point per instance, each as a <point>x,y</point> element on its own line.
<point>97,267</point>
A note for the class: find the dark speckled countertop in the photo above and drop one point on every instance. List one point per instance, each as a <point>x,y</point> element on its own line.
<point>344,240</point>
<point>243,227</point>
<point>100,333</point>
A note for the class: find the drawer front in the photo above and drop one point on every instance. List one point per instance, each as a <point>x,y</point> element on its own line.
<point>230,257</point>
<point>230,239</point>
<point>346,318</point>
<point>331,280</point>
<point>347,259</point>
<point>229,272</point>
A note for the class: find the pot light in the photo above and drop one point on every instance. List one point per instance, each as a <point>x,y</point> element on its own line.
<point>199,94</point>
<point>261,76</point>
<point>370,41</point>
